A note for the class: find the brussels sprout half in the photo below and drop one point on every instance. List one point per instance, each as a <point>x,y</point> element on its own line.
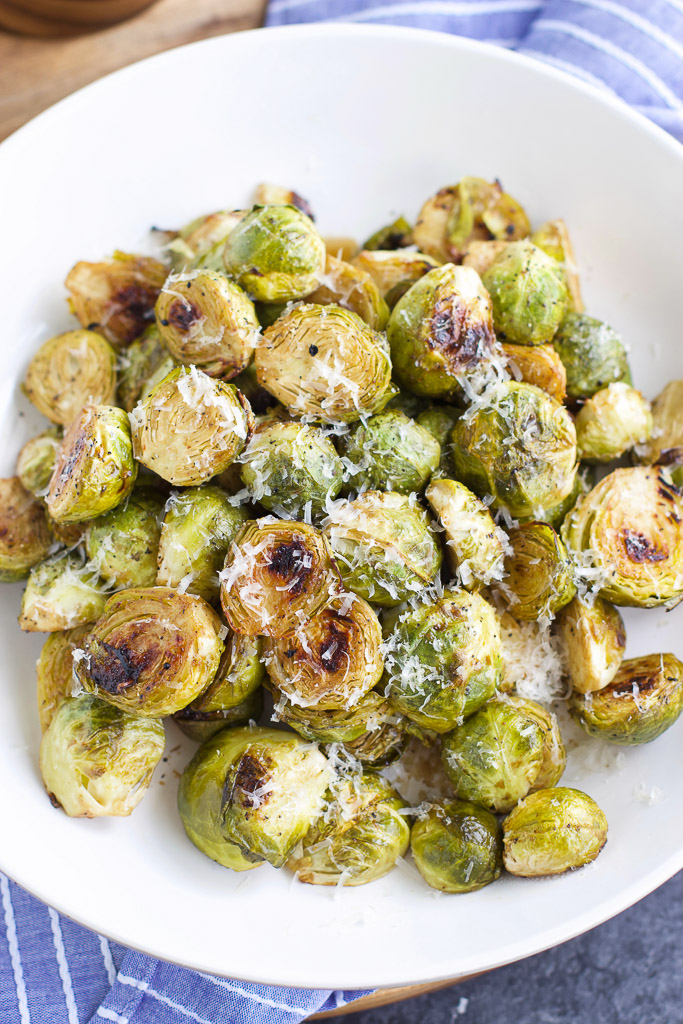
<point>539,365</point>
<point>528,294</point>
<point>201,242</point>
<point>612,421</point>
<point>69,371</point>
<point>122,544</point>
<point>143,364</point>
<point>594,641</point>
<point>457,847</point>
<point>475,546</point>
<point>665,445</point>
<point>25,538</point>
<point>592,353</point>
<point>55,671</point>
<point>539,575</point>
<point>552,831</point>
<point>347,286</point>
<point>390,452</point>
<point>394,272</point>
<point>553,238</point>
<point>36,461</point>
<point>392,236</point>
<point>61,593</point>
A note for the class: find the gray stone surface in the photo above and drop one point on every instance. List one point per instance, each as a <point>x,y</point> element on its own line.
<point>627,971</point>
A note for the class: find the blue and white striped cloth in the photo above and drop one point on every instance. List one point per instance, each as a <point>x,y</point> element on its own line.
<point>53,971</point>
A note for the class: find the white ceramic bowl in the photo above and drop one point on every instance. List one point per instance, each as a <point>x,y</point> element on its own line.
<point>365,122</point>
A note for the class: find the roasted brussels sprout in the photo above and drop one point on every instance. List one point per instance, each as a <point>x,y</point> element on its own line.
<point>443,659</point>
<point>359,840</point>
<point>630,527</point>
<point>552,831</point>
<point>61,593</point>
<point>394,272</point>
<point>190,427</point>
<point>97,760</point>
<point>390,452</point>
<point>553,238</point>
<point>384,546</point>
<point>206,320</point>
<point>201,242</point>
<point>260,401</point>
<point>55,671</point>
<point>528,294</point>
<point>351,288</point>
<point>594,640</point>
<point>276,195</point>
<point>288,467</point>
<point>457,847</point>
<point>201,725</point>
<point>117,296</point>
<point>36,461</point>
<point>275,254</point>
<point>539,575</point>
<point>441,332</point>
<point>331,660</point>
<point>69,371</point>
<point>439,420</point>
<point>519,448</point>
<point>25,537</point>
<point>122,545</point>
<point>199,526</point>
<point>277,575</point>
<point>152,651</point>
<point>326,363</point>
<point>480,254</point>
<point>342,247</point>
<point>95,470</point>
<point>475,546</point>
<point>615,419</point>
<point>392,236</point>
<point>642,701</point>
<point>665,445</point>
<point>539,365</point>
<point>143,364</point>
<point>592,353</point>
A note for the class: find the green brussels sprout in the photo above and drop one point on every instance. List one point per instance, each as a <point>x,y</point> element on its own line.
<point>457,847</point>
<point>207,321</point>
<point>665,445</point>
<point>277,195</point>
<point>97,760</point>
<point>275,254</point>
<point>439,420</point>
<point>116,296</point>
<point>199,526</point>
<point>539,575</point>
<point>122,544</point>
<point>552,831</point>
<point>351,288</point>
<point>95,469</point>
<point>394,272</point>
<point>584,479</point>
<point>509,748</point>
<point>69,371</point>
<point>475,546</point>
<point>152,651</point>
<point>539,365</point>
<point>36,461</point>
<point>383,545</point>
<point>592,353</point>
<point>612,421</point>
<point>289,466</point>
<point>190,427</point>
<point>25,538</point>
<point>519,448</point>
<point>61,593</point>
<point>410,405</point>
<point>142,365</point>
<point>359,840</point>
<point>441,333</point>
<point>643,700</point>
<point>390,452</point>
<point>528,294</point>
<point>443,659</point>
<point>396,235</point>
<point>201,725</point>
<point>201,242</point>
<point>277,575</point>
<point>331,660</point>
<point>55,671</point>
<point>326,363</point>
<point>553,238</point>
<point>630,528</point>
<point>594,640</point>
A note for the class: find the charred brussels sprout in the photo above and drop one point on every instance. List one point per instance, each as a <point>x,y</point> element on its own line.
<point>384,546</point>
<point>326,363</point>
<point>69,371</point>
<point>612,421</point>
<point>475,546</point>
<point>97,760</point>
<point>206,320</point>
<point>643,700</point>
<point>276,195</point>
<point>553,238</point>
<point>275,254</point>
<point>594,640</point>
<point>201,242</point>
<point>443,659</point>
<point>95,470</point>
<point>143,364</point>
<point>333,659</point>
<point>592,353</point>
<point>55,671</point>
<point>390,452</point>
<point>198,528</point>
<point>539,365</point>
<point>116,296</point>
<point>190,427</point>
<point>553,831</point>
<point>36,461</point>
<point>25,537</point>
<point>392,236</point>
<point>441,332</point>
<point>665,445</point>
<point>528,294</point>
<point>123,544</point>
<point>152,651</point>
<point>519,448</point>
<point>394,272</point>
<point>277,575</point>
<point>457,847</point>
<point>359,841</point>
<point>351,288</point>
<point>61,593</point>
<point>201,725</point>
<point>630,528</point>
<point>539,576</point>
<point>288,466</point>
